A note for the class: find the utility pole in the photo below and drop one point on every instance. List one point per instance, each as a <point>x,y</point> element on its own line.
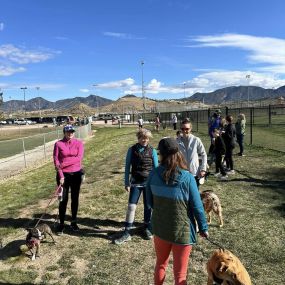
<point>248,78</point>
<point>97,106</point>
<point>24,89</point>
<point>184,84</point>
<point>39,101</point>
<point>143,90</point>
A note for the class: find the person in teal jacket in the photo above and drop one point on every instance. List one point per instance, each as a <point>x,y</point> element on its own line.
<point>172,193</point>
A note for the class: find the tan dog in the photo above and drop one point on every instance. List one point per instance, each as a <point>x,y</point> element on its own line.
<point>226,269</point>
<point>211,203</point>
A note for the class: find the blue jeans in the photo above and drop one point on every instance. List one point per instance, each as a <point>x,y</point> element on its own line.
<point>135,193</point>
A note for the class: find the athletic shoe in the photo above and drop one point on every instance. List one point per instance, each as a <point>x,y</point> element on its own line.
<point>218,174</point>
<point>240,154</point>
<point>74,226</point>
<point>223,177</point>
<point>59,229</point>
<point>148,234</point>
<point>231,172</point>
<point>124,238</point>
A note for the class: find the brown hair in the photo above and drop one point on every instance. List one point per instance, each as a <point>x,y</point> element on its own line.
<point>186,121</point>
<point>229,118</point>
<point>172,162</point>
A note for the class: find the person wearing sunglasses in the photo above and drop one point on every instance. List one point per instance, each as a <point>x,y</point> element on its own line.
<point>192,148</point>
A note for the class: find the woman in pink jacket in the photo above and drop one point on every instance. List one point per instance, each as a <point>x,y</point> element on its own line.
<point>67,156</point>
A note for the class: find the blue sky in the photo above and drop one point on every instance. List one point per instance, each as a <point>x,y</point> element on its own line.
<point>67,47</point>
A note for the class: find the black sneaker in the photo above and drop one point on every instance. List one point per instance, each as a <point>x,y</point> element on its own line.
<point>148,234</point>
<point>124,238</point>
<point>59,229</point>
<point>74,226</point>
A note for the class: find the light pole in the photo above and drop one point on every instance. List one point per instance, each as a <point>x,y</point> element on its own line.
<point>248,78</point>
<point>97,107</point>
<point>39,101</point>
<point>184,84</point>
<point>143,91</point>
<point>24,89</point>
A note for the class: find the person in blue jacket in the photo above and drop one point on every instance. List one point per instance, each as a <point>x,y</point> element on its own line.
<point>173,195</point>
<point>141,159</point>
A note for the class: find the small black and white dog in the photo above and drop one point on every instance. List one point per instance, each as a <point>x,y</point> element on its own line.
<point>34,237</point>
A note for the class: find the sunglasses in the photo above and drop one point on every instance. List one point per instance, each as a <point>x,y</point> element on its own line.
<point>185,129</point>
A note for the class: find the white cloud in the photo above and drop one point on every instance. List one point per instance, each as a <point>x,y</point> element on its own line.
<point>84,90</point>
<point>21,56</point>
<point>123,36</point>
<point>116,84</point>
<point>1,26</point>
<point>262,50</point>
<point>8,70</point>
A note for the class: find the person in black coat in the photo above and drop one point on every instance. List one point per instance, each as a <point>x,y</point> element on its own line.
<point>219,150</point>
<point>229,137</point>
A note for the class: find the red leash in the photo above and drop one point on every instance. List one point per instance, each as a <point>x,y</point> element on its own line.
<point>55,194</point>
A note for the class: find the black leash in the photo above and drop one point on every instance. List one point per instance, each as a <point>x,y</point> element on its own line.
<point>215,243</point>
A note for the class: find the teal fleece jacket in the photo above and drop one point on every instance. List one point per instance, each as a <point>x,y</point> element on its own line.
<point>176,207</point>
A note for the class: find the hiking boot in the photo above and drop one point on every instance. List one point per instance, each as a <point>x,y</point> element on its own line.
<point>148,234</point>
<point>74,226</point>
<point>124,238</point>
<point>59,229</point>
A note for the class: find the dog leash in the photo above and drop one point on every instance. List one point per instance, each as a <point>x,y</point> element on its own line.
<point>52,197</point>
<point>214,243</point>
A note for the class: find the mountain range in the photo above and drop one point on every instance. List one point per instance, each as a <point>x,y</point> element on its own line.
<point>220,96</point>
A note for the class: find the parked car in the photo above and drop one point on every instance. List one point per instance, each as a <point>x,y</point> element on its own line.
<point>3,122</point>
<point>22,122</point>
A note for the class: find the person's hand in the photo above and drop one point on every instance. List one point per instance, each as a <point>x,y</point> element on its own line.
<point>127,188</point>
<point>204,234</point>
<point>202,173</point>
<point>61,181</point>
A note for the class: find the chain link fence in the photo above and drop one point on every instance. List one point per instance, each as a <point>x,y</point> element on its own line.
<point>18,154</point>
<point>265,125</point>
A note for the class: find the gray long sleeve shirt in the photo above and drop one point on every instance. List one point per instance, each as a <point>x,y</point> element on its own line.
<point>192,148</point>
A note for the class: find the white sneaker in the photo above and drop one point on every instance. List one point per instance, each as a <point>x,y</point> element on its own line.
<point>218,174</point>
<point>231,172</point>
<point>224,177</point>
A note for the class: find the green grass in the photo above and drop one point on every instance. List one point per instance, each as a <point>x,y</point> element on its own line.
<point>253,209</point>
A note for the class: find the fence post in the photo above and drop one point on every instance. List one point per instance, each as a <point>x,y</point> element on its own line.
<point>24,150</point>
<point>45,155</point>
<point>251,124</point>
<point>269,115</point>
<point>197,118</point>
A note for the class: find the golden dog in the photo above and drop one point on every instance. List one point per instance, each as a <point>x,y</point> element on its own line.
<point>226,269</point>
<point>211,203</point>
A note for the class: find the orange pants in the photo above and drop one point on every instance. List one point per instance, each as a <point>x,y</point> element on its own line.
<point>181,255</point>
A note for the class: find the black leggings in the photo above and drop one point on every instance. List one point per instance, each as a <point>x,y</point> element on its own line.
<point>229,157</point>
<point>72,181</point>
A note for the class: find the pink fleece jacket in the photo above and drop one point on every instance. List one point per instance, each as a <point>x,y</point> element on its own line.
<point>67,155</point>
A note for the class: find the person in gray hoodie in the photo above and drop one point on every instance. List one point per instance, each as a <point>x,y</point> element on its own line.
<point>192,149</point>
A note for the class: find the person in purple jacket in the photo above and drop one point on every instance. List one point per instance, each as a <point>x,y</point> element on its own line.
<point>67,156</point>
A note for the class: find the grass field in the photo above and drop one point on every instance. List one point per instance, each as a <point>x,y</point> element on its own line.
<point>253,209</point>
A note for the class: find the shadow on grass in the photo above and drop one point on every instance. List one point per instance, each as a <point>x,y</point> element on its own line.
<point>11,249</point>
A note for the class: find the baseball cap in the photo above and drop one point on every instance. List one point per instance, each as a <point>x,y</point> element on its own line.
<point>168,146</point>
<point>68,128</point>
